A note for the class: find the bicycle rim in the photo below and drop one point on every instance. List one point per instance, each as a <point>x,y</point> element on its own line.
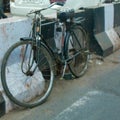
<point>76,51</point>
<point>27,89</point>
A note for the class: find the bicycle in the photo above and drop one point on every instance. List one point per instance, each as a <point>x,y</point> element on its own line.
<point>31,63</point>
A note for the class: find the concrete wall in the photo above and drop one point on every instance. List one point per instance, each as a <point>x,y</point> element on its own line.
<point>11,29</point>
<point>106,28</point>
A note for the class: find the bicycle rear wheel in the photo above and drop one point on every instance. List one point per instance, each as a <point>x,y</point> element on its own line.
<point>76,50</point>
<point>27,74</point>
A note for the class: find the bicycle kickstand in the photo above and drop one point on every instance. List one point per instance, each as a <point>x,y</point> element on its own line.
<point>64,69</point>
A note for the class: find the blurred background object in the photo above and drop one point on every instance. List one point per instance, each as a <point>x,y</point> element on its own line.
<point>6,5</point>
<point>62,1</point>
<point>2,6</point>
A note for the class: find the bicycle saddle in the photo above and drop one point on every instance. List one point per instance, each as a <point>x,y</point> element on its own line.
<point>64,15</point>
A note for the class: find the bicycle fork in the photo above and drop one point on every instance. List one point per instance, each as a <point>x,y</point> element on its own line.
<point>28,61</point>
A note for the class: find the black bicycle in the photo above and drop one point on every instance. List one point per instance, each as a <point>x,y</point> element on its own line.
<point>29,66</point>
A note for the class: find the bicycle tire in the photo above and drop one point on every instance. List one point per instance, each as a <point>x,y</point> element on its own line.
<point>76,49</point>
<point>27,90</point>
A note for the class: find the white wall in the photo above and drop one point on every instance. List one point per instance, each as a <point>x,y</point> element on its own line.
<point>11,30</point>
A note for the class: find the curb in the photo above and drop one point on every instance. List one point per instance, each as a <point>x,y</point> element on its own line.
<point>106,28</point>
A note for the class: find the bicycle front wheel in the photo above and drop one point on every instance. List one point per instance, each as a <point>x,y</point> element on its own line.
<point>27,74</point>
<point>76,50</point>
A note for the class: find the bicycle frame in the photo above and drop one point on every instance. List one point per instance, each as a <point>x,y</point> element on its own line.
<point>38,38</point>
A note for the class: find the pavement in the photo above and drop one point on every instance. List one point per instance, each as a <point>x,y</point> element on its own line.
<point>94,96</point>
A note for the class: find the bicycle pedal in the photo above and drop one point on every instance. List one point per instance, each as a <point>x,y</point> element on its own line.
<point>87,51</point>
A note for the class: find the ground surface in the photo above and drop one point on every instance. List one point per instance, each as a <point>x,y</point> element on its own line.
<point>95,96</point>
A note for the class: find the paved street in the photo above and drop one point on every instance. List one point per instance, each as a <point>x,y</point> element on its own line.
<point>95,96</point>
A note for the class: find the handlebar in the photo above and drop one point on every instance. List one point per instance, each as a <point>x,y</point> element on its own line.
<point>62,14</point>
<point>38,11</point>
